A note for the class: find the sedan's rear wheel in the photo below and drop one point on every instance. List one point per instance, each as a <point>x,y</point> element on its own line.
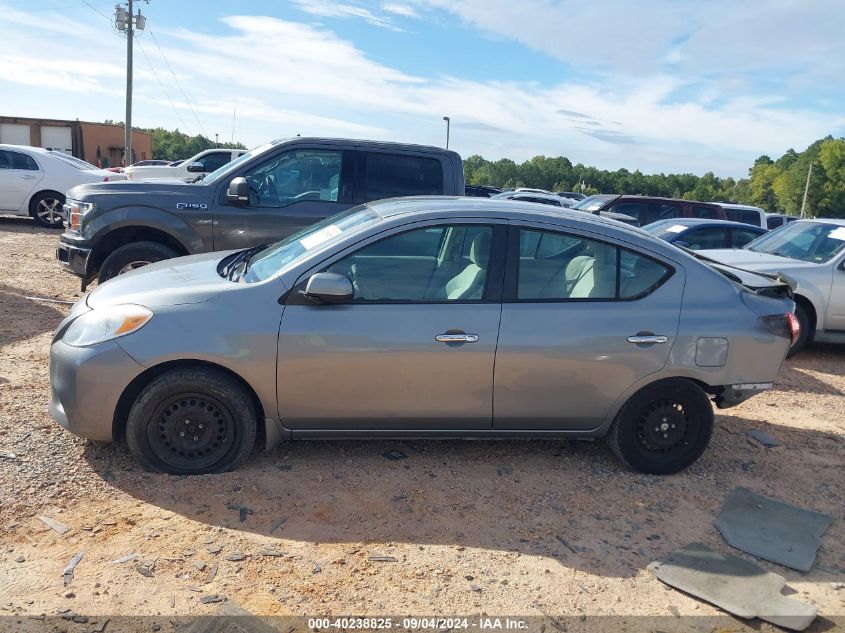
<point>47,209</point>
<point>192,421</point>
<point>663,428</point>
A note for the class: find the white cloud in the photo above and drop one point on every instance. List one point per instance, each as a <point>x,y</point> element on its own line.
<point>329,9</point>
<point>404,10</point>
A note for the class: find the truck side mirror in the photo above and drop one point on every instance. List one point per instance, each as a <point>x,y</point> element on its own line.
<point>196,167</point>
<point>238,192</point>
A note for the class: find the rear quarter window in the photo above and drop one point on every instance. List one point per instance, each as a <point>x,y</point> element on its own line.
<point>394,175</point>
<point>708,213</point>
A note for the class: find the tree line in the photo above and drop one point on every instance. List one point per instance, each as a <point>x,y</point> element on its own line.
<point>175,145</point>
<point>774,185</point>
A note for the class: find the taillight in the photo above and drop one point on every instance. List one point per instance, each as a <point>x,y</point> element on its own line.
<point>785,325</point>
<point>794,326</point>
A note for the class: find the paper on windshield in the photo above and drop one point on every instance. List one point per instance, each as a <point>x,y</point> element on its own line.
<point>676,228</point>
<point>838,234</point>
<point>315,239</point>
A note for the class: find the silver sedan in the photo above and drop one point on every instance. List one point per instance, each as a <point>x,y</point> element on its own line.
<point>421,317</point>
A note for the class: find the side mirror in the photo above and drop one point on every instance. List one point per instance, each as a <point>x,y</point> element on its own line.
<point>329,288</point>
<point>196,167</point>
<point>238,192</point>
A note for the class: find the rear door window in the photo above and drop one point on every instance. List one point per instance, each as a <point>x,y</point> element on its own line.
<point>395,175</point>
<point>635,210</point>
<point>706,238</point>
<point>707,213</point>
<point>662,211</point>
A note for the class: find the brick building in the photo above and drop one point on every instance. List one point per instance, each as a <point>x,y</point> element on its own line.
<point>100,144</point>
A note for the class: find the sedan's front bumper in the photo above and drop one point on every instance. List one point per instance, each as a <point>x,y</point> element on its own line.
<point>86,384</point>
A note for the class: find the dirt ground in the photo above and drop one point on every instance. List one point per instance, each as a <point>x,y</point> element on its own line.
<point>533,528</point>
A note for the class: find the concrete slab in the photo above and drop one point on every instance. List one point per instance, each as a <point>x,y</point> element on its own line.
<point>773,530</point>
<point>734,584</point>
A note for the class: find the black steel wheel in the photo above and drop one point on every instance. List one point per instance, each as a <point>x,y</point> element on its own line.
<point>192,421</point>
<point>663,428</point>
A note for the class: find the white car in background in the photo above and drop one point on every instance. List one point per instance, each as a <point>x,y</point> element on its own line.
<point>811,253</point>
<point>205,162</point>
<point>33,181</point>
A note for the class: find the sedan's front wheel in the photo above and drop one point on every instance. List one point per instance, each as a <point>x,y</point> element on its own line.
<point>192,421</point>
<point>663,428</point>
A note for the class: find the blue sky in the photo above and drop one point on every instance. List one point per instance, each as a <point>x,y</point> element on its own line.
<point>656,85</point>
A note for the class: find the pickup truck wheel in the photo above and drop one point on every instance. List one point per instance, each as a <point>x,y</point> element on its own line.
<point>46,209</point>
<point>803,334</point>
<point>192,421</point>
<point>663,428</point>
<point>131,256</point>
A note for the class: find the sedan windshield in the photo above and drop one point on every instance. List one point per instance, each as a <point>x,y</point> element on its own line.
<point>289,251</point>
<point>593,203</point>
<point>814,242</point>
<point>665,229</point>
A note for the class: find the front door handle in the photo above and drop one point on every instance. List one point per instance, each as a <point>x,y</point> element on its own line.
<point>647,338</point>
<point>456,338</point>
<point>28,177</point>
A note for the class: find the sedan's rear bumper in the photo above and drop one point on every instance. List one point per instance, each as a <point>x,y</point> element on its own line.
<point>86,384</point>
<point>734,394</point>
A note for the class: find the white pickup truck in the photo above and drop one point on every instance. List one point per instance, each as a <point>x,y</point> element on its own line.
<point>205,162</point>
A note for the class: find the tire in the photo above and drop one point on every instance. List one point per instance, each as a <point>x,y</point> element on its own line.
<point>191,422</point>
<point>804,334</point>
<point>131,256</point>
<point>653,435</point>
<point>46,209</point>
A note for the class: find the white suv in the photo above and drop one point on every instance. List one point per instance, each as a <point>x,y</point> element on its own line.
<point>744,213</point>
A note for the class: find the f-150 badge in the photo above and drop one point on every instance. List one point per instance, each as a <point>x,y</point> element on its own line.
<point>191,205</point>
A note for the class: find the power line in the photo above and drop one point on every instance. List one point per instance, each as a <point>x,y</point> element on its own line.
<point>93,8</point>
<point>167,94</point>
<point>51,36</point>
<point>176,79</point>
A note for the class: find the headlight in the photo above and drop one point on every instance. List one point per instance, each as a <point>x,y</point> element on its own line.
<point>105,324</point>
<point>74,210</point>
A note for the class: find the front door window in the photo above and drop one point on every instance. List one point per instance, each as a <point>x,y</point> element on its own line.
<point>296,176</point>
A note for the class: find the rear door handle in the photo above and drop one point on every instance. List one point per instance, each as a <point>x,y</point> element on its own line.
<point>28,177</point>
<point>647,338</point>
<point>456,338</point>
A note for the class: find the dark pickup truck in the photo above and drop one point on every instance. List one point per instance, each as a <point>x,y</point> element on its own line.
<point>260,197</point>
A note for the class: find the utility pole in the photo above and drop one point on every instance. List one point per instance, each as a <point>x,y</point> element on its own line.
<point>126,22</point>
<point>445,118</point>
<point>806,189</point>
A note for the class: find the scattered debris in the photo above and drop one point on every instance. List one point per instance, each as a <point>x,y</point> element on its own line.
<point>394,455</point>
<point>101,625</point>
<point>211,599</point>
<point>734,584</point>
<point>67,573</point>
<point>126,559</point>
<point>316,569</point>
<point>773,530</point>
<point>200,565</point>
<point>211,573</point>
<point>216,549</point>
<point>144,571</point>
<point>761,436</point>
<point>20,559</point>
<point>235,557</point>
<point>173,601</point>
<point>8,455</point>
<point>383,559</point>
<point>566,544</point>
<point>277,524</point>
<point>55,525</point>
<point>46,300</point>
<point>270,552</point>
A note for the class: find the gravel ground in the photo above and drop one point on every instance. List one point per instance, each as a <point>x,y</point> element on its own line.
<point>527,528</point>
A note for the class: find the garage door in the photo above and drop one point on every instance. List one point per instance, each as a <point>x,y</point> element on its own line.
<point>14,134</point>
<point>57,137</point>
